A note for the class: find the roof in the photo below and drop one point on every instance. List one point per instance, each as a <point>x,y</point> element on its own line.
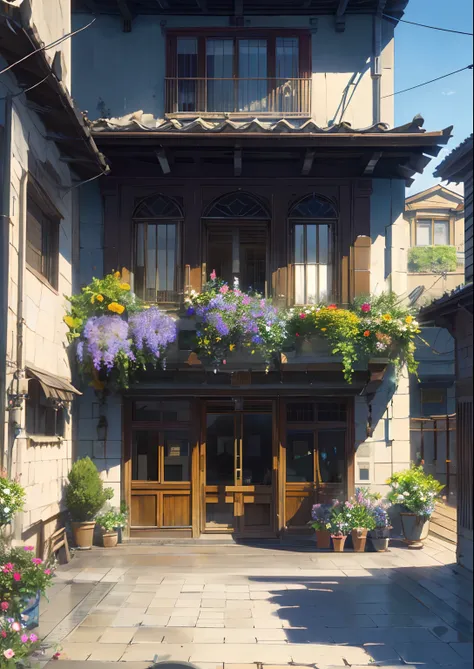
<point>130,8</point>
<point>437,188</point>
<point>456,164</point>
<point>462,296</point>
<point>54,387</point>
<point>51,99</point>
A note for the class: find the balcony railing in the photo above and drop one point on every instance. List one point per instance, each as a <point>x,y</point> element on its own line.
<point>262,97</point>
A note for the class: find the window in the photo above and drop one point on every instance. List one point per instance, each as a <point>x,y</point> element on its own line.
<point>157,267</point>
<point>42,418</point>
<point>255,73</point>
<point>42,238</point>
<point>432,232</point>
<point>313,224</point>
<point>434,402</point>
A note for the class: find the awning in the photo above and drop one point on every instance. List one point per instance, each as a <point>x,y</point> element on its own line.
<point>54,387</point>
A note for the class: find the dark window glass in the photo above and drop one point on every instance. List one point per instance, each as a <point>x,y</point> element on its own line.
<point>145,455</point>
<point>162,412</point>
<point>300,412</point>
<point>220,458</point>
<point>364,474</point>
<point>332,458</point>
<point>42,419</point>
<point>257,449</point>
<point>176,457</point>
<point>187,67</point>
<point>331,412</point>
<point>42,241</point>
<point>434,402</point>
<point>300,457</point>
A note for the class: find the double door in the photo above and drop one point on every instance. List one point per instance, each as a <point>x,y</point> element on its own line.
<point>239,470</point>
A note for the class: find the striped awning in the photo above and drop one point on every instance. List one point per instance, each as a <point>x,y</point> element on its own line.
<point>54,387</point>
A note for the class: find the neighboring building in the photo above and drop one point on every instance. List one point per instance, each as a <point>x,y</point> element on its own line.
<point>454,311</point>
<point>46,149</point>
<point>260,126</point>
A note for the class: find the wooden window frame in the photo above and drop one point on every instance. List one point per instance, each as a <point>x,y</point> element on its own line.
<point>332,259</point>
<point>37,412</point>
<point>433,219</point>
<point>46,214</point>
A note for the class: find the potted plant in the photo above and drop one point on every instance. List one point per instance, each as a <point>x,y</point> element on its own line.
<point>122,521</point>
<point>380,535</point>
<point>109,522</point>
<point>360,518</point>
<point>12,498</point>
<point>16,644</point>
<point>321,523</point>
<point>339,526</point>
<point>416,492</point>
<point>85,497</point>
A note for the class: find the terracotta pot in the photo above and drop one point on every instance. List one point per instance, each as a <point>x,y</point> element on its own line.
<point>415,528</point>
<point>359,539</point>
<point>338,543</point>
<point>379,545</point>
<point>323,539</point>
<point>110,539</point>
<point>83,534</point>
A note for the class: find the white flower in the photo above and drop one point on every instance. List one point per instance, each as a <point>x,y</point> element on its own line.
<point>400,498</point>
<point>6,509</point>
<point>395,485</point>
<point>7,491</point>
<point>267,328</point>
<point>406,494</point>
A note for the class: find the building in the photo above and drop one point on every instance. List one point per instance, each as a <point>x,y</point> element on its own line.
<point>46,151</point>
<point>231,128</point>
<point>454,312</point>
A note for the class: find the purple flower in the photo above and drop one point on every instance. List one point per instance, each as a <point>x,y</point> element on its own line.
<point>191,311</point>
<point>103,339</point>
<point>152,331</point>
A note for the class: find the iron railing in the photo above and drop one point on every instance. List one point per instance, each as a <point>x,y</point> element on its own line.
<point>271,97</point>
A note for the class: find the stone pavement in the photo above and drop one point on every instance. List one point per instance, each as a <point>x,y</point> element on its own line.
<point>237,606</point>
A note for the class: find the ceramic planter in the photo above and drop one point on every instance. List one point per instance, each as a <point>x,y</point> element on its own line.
<point>110,539</point>
<point>83,534</point>
<point>379,539</point>
<point>323,539</point>
<point>359,539</point>
<point>338,543</point>
<point>379,545</point>
<point>415,528</point>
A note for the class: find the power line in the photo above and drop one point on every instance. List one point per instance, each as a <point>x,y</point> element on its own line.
<point>423,25</point>
<point>47,46</point>
<point>25,90</point>
<point>425,83</point>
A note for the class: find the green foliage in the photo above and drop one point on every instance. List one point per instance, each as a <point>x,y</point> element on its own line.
<point>432,259</point>
<point>414,490</point>
<point>12,498</point>
<point>22,576</point>
<point>85,492</point>
<point>17,644</point>
<point>111,520</point>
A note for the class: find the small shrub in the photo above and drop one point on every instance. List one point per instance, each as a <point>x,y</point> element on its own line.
<point>85,492</point>
<point>432,259</point>
<point>414,490</point>
<point>111,520</point>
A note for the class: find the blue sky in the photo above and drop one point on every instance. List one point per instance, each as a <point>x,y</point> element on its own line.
<point>422,54</point>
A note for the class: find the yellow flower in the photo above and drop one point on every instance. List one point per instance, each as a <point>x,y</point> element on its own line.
<point>100,298</point>
<point>323,329</point>
<point>93,299</point>
<point>69,320</point>
<point>117,275</point>
<point>218,339</point>
<point>206,342</point>
<point>386,317</point>
<point>125,286</point>
<point>116,308</point>
<point>231,347</point>
<point>408,319</point>
<point>253,352</point>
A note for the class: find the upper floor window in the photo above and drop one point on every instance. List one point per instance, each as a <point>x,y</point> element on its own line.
<point>42,236</point>
<point>432,232</point>
<point>43,418</point>
<point>157,268</point>
<point>253,74</point>
<point>312,220</point>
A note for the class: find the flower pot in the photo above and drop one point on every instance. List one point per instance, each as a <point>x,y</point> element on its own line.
<point>323,539</point>
<point>379,538</point>
<point>379,545</point>
<point>359,539</point>
<point>83,534</point>
<point>30,614</point>
<point>338,543</point>
<point>415,529</point>
<point>119,531</point>
<point>110,539</point>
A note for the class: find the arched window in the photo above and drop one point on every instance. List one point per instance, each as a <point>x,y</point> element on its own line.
<point>312,222</point>
<point>238,205</point>
<point>158,220</point>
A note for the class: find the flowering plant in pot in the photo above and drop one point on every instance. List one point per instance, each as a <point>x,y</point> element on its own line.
<point>17,644</point>
<point>85,497</point>
<point>416,492</point>
<point>321,523</point>
<point>12,498</point>
<point>360,518</point>
<point>109,522</point>
<point>380,535</point>
<point>339,526</point>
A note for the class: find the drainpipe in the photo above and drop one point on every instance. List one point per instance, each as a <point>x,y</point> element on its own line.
<point>4,270</point>
<point>376,65</point>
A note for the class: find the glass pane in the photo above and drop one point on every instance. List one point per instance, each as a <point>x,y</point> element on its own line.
<point>253,75</point>
<point>287,57</point>
<point>299,457</point>
<point>323,244</point>
<point>441,233</point>
<point>34,246</point>
<point>312,293</point>
<point>219,515</point>
<point>311,243</point>
<point>187,68</point>
<point>171,257</point>
<point>332,458</point>
<point>257,449</point>
<point>162,257</point>
<point>299,243</point>
<point>323,282</point>
<point>423,233</point>
<point>300,282</point>
<point>151,263</point>
<point>300,412</point>
<point>220,66</point>
<point>177,460</point>
<point>145,455</point>
<point>162,412</point>
<point>220,449</point>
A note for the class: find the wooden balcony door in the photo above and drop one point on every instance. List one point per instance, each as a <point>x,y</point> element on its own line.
<point>238,469</point>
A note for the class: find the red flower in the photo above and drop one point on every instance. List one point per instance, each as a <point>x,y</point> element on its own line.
<point>332,306</point>
<point>366,307</point>
<point>4,606</point>
<point>16,576</point>
<point>302,316</point>
<point>4,634</point>
<point>297,334</point>
<point>367,333</point>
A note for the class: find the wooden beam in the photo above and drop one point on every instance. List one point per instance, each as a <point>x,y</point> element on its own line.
<point>372,164</point>
<point>125,11</point>
<point>163,160</point>
<point>341,16</point>
<point>238,161</point>
<point>308,162</point>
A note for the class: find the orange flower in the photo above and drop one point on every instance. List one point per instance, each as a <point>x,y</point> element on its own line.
<point>100,298</point>
<point>117,275</point>
<point>332,306</point>
<point>367,333</point>
<point>323,329</point>
<point>116,308</point>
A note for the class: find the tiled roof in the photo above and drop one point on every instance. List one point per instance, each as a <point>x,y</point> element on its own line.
<point>447,166</point>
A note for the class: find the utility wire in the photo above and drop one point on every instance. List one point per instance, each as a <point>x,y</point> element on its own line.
<point>425,83</point>
<point>47,46</point>
<point>423,25</point>
<point>26,90</point>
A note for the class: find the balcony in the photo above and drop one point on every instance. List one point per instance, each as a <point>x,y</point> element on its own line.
<point>242,97</point>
